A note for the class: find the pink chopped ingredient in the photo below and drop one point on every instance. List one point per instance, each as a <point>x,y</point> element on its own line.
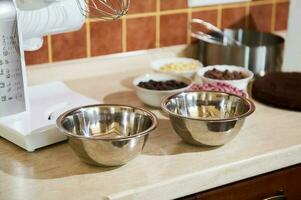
<point>219,87</point>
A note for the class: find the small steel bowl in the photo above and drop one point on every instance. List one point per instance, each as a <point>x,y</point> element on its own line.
<point>107,135</point>
<point>206,117</point>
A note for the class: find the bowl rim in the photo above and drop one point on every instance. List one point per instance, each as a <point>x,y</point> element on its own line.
<point>201,73</point>
<point>145,132</point>
<point>189,80</point>
<point>248,101</point>
<point>155,65</point>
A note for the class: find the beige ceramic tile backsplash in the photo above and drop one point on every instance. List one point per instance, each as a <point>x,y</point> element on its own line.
<point>157,23</point>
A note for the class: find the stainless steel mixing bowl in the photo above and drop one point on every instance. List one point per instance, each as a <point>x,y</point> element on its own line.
<point>207,118</point>
<point>107,135</point>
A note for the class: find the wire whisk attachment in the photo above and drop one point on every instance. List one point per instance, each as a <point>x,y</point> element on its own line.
<point>103,9</point>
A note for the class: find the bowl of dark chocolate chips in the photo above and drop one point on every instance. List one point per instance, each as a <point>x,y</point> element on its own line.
<point>151,88</point>
<point>234,75</point>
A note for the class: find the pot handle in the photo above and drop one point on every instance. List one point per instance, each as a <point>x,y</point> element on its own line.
<point>204,36</point>
<point>217,35</point>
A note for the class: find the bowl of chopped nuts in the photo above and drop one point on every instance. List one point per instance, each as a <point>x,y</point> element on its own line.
<point>234,75</point>
<point>187,67</point>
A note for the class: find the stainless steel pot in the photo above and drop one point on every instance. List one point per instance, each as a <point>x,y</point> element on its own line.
<point>259,52</point>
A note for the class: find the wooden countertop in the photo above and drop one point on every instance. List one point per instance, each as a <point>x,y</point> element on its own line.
<point>167,168</point>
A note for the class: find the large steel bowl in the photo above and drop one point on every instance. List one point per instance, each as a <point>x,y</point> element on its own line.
<point>205,117</point>
<point>107,135</point>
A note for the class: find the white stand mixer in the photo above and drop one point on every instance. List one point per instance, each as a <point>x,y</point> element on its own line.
<point>28,114</point>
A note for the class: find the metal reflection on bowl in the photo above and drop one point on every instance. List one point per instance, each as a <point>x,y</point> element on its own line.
<point>207,117</point>
<point>107,135</point>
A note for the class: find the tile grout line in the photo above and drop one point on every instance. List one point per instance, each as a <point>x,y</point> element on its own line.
<point>258,3</point>
<point>255,3</point>
<point>273,20</point>
<point>203,8</point>
<point>282,1</point>
<point>49,40</point>
<point>247,15</point>
<point>188,26</point>
<point>140,15</point>
<point>219,16</point>
<point>124,34</point>
<point>158,23</point>
<point>237,5</point>
<point>88,38</point>
<point>177,11</point>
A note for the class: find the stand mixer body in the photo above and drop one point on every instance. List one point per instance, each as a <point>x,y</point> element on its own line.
<point>56,17</point>
<point>12,78</point>
<point>24,30</point>
<point>27,114</point>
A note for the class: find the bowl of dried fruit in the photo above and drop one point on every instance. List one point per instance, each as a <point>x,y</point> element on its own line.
<point>151,88</point>
<point>234,75</point>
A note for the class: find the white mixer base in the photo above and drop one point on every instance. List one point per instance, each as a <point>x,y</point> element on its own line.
<point>36,128</point>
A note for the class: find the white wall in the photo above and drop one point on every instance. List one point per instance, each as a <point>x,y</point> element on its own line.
<point>194,3</point>
<point>292,55</point>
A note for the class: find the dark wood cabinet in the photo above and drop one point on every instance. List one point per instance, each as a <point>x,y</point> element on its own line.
<point>286,181</point>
